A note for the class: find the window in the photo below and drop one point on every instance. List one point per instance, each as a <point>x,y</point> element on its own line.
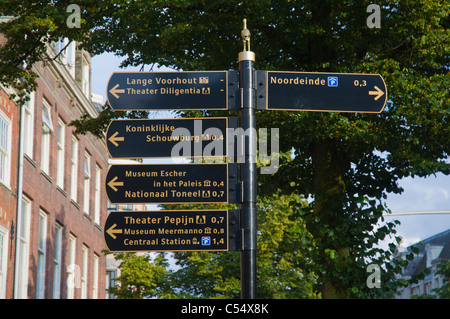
<point>3,260</point>
<point>415,290</point>
<point>427,288</point>
<point>23,231</point>
<point>110,283</point>
<point>97,195</point>
<point>85,81</point>
<point>112,207</point>
<point>66,51</point>
<point>72,268</point>
<point>59,46</point>
<point>87,181</point>
<point>28,141</point>
<point>42,243</point>
<point>95,278</point>
<point>84,272</point>
<point>70,59</point>
<point>5,149</point>
<point>47,129</point>
<point>436,283</point>
<point>74,170</point>
<point>60,155</point>
<point>57,260</point>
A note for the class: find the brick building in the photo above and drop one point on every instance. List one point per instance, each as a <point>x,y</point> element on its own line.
<point>52,199</point>
<point>9,115</point>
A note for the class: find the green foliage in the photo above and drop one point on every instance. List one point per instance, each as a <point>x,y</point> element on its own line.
<point>443,292</point>
<point>141,277</point>
<point>32,26</point>
<point>284,263</point>
<point>98,125</point>
<point>285,268</point>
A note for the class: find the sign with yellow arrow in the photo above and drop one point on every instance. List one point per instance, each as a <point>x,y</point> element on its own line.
<point>170,90</point>
<point>322,92</point>
<point>172,183</point>
<point>201,230</point>
<point>158,138</point>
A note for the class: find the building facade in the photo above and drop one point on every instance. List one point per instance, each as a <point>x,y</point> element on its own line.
<point>52,199</point>
<point>9,115</point>
<point>431,252</point>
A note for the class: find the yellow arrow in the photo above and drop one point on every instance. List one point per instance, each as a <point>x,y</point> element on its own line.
<point>378,93</point>
<point>115,90</point>
<point>113,184</point>
<point>114,139</point>
<point>111,231</point>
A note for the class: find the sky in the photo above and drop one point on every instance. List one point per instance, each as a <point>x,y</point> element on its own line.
<point>426,195</point>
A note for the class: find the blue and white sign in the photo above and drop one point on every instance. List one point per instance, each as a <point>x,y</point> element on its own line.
<point>206,241</point>
<point>333,81</point>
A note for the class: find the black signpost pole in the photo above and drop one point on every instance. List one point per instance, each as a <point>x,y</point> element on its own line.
<point>248,168</point>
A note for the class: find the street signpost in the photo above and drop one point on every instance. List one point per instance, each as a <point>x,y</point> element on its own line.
<point>214,182</point>
<point>202,230</point>
<point>197,90</point>
<point>171,183</point>
<point>158,138</point>
<point>323,92</point>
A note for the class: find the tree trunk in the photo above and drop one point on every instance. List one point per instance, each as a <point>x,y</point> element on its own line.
<point>330,165</point>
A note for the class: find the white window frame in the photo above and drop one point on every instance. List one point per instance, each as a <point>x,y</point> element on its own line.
<point>29,127</point>
<point>57,261</point>
<point>66,54</point>
<point>110,282</point>
<point>97,193</point>
<point>95,277</point>
<point>42,255</point>
<point>72,268</point>
<point>87,182</point>
<point>84,271</point>
<point>74,170</point>
<point>47,130</point>
<point>5,149</point>
<point>60,154</point>
<point>21,284</point>
<point>3,260</point>
<point>70,59</point>
<point>86,74</point>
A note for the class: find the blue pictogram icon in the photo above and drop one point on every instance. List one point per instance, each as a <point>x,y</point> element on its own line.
<point>333,81</point>
<point>206,241</point>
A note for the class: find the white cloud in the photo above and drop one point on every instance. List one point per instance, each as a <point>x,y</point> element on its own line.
<point>432,193</point>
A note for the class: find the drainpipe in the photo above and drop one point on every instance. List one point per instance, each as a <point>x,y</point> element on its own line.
<point>19,201</point>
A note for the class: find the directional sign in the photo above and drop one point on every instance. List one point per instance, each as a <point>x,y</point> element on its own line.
<point>157,138</point>
<point>168,90</point>
<point>204,230</point>
<point>172,183</point>
<point>332,92</point>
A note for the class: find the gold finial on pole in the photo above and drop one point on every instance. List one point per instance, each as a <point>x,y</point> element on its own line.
<point>246,54</point>
<point>245,34</point>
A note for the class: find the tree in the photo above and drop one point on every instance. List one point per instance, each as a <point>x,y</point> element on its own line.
<point>141,277</point>
<point>346,163</point>
<point>283,257</point>
<point>443,292</point>
<point>283,260</point>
